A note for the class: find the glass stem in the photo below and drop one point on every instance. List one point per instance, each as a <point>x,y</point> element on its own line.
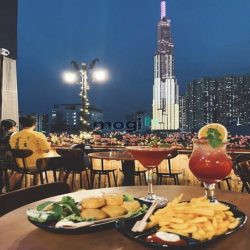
<point>151,194</point>
<point>210,191</point>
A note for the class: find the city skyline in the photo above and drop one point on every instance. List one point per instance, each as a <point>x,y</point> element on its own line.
<point>210,39</point>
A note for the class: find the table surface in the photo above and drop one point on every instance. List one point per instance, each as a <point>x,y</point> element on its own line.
<point>18,233</point>
<point>113,155</point>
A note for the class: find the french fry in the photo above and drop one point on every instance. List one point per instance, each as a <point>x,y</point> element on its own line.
<point>198,218</point>
<point>177,220</point>
<point>179,226</point>
<point>209,226</point>
<point>233,224</point>
<point>150,224</point>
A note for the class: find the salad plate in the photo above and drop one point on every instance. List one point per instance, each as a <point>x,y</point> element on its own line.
<point>125,226</point>
<point>87,226</point>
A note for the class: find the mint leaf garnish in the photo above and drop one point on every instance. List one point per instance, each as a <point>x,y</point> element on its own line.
<point>215,143</point>
<point>155,140</point>
<point>213,136</point>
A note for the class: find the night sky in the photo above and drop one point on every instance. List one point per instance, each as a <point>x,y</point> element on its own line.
<point>211,38</point>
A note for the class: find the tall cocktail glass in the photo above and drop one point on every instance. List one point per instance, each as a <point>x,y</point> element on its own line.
<point>210,165</point>
<point>150,157</point>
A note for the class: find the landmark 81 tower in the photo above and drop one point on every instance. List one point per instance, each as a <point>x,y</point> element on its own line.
<point>165,89</point>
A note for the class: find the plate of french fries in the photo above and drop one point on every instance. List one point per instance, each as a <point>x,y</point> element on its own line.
<point>197,222</point>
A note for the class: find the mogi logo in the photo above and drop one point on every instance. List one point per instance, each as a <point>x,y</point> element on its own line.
<point>130,126</point>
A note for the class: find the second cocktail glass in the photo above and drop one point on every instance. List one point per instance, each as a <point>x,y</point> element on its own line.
<point>150,158</point>
<point>210,165</point>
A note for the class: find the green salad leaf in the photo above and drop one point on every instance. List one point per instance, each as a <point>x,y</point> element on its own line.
<point>74,217</point>
<point>43,205</point>
<point>42,216</point>
<point>137,212</point>
<point>128,197</point>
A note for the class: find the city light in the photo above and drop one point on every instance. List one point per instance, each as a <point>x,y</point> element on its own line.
<point>100,75</point>
<point>70,77</point>
<point>83,71</point>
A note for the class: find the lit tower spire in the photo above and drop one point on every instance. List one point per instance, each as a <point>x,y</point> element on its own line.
<point>165,104</point>
<point>163,9</point>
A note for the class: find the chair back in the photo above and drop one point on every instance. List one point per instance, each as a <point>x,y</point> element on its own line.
<point>170,156</point>
<point>97,150</point>
<point>21,154</point>
<point>70,152</point>
<point>80,145</point>
<point>240,158</point>
<point>243,169</point>
<point>51,163</point>
<point>19,198</point>
<point>73,159</point>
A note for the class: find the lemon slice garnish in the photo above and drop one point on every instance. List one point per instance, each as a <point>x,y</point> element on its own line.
<point>203,132</point>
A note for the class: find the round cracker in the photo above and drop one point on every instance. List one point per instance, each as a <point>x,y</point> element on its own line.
<point>131,205</point>
<point>114,211</point>
<point>94,213</point>
<point>93,202</point>
<point>113,199</point>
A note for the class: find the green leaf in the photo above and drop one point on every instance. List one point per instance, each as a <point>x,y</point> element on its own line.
<point>128,197</point>
<point>43,205</point>
<point>74,217</point>
<point>68,199</point>
<point>42,216</point>
<point>58,209</point>
<point>155,140</point>
<point>213,136</point>
<point>136,212</point>
<point>215,143</point>
<point>71,207</point>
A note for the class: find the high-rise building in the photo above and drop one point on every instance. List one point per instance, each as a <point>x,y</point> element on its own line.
<point>66,117</point>
<point>201,102</point>
<point>165,105</point>
<point>223,99</point>
<point>42,122</point>
<point>183,113</point>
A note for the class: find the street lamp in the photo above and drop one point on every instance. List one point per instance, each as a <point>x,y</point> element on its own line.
<point>83,72</point>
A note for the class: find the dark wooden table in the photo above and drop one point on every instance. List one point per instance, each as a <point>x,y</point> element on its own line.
<point>127,160</point>
<point>19,234</point>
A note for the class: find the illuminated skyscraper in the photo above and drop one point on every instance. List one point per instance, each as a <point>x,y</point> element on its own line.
<point>165,89</point>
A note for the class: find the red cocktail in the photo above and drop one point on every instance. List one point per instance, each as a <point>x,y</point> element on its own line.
<point>209,164</point>
<point>150,157</point>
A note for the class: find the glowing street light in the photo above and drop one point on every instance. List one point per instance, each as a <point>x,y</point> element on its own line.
<point>83,72</point>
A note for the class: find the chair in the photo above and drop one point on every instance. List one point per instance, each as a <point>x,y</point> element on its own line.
<point>75,164</point>
<point>25,170</point>
<point>226,179</point>
<point>19,198</point>
<point>101,171</point>
<point>4,178</point>
<point>240,158</point>
<point>140,173</point>
<point>170,173</point>
<point>243,169</point>
<point>53,164</point>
